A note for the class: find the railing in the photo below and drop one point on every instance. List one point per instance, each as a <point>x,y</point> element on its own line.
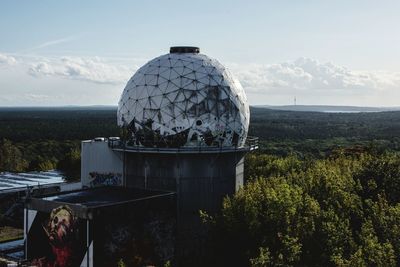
<point>251,142</point>
<point>118,144</point>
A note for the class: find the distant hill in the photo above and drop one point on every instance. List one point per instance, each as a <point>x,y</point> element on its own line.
<point>59,108</point>
<point>334,109</point>
<point>309,108</point>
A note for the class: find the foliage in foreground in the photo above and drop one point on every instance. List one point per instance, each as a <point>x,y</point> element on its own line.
<point>339,211</point>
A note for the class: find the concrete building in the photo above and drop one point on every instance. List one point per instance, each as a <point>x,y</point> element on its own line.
<point>100,165</point>
<point>185,120</point>
<point>99,227</point>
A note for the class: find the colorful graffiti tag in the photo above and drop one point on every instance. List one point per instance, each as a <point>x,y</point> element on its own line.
<point>111,179</point>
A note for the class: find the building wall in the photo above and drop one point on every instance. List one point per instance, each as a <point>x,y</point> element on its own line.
<point>201,181</point>
<point>141,233</point>
<point>100,164</point>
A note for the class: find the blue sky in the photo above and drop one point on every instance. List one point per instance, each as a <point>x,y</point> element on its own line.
<point>83,52</point>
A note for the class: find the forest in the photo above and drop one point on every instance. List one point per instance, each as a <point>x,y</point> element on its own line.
<point>322,190</point>
<point>48,138</point>
<point>343,210</point>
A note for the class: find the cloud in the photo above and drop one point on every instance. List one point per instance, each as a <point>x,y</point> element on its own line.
<point>41,68</point>
<point>85,69</point>
<point>32,79</point>
<point>301,75</point>
<point>7,60</point>
<point>51,43</point>
<point>305,74</point>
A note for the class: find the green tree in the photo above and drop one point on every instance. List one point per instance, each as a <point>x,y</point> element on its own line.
<point>11,158</point>
<point>71,165</point>
<point>380,175</point>
<point>42,164</point>
<point>268,214</point>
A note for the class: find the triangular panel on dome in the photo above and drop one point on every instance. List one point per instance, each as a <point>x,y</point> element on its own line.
<point>190,75</point>
<point>180,96</point>
<point>156,101</point>
<point>171,87</point>
<point>164,71</point>
<point>179,70</point>
<point>151,79</point>
<point>172,96</point>
<point>204,80</point>
<point>152,70</point>
<point>185,82</point>
<point>141,92</point>
<point>165,61</point>
<point>149,113</point>
<point>187,70</point>
<point>187,93</point>
<point>198,66</point>
<point>140,80</point>
<point>174,75</point>
<point>212,81</point>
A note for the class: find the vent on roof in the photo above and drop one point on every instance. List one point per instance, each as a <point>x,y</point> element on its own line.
<point>184,49</point>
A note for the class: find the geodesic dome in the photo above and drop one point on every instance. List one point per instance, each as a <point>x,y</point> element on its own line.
<point>184,99</point>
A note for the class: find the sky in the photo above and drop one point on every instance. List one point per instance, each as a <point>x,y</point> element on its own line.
<point>61,52</point>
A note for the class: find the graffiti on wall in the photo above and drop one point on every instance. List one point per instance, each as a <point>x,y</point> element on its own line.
<point>111,179</point>
<point>138,240</point>
<point>56,239</point>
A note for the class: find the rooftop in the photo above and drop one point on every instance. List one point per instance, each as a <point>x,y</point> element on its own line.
<point>20,181</point>
<point>83,202</point>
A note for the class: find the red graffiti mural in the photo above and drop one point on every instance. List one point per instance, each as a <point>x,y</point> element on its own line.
<point>60,233</point>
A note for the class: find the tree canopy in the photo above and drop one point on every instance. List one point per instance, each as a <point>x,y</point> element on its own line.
<point>341,211</point>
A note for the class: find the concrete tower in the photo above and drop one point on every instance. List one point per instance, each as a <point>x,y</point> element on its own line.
<point>186,120</point>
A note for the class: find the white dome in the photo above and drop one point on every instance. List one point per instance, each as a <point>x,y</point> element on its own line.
<point>184,99</point>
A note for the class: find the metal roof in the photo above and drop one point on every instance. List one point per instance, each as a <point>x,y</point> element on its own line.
<point>14,181</point>
<point>85,201</point>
